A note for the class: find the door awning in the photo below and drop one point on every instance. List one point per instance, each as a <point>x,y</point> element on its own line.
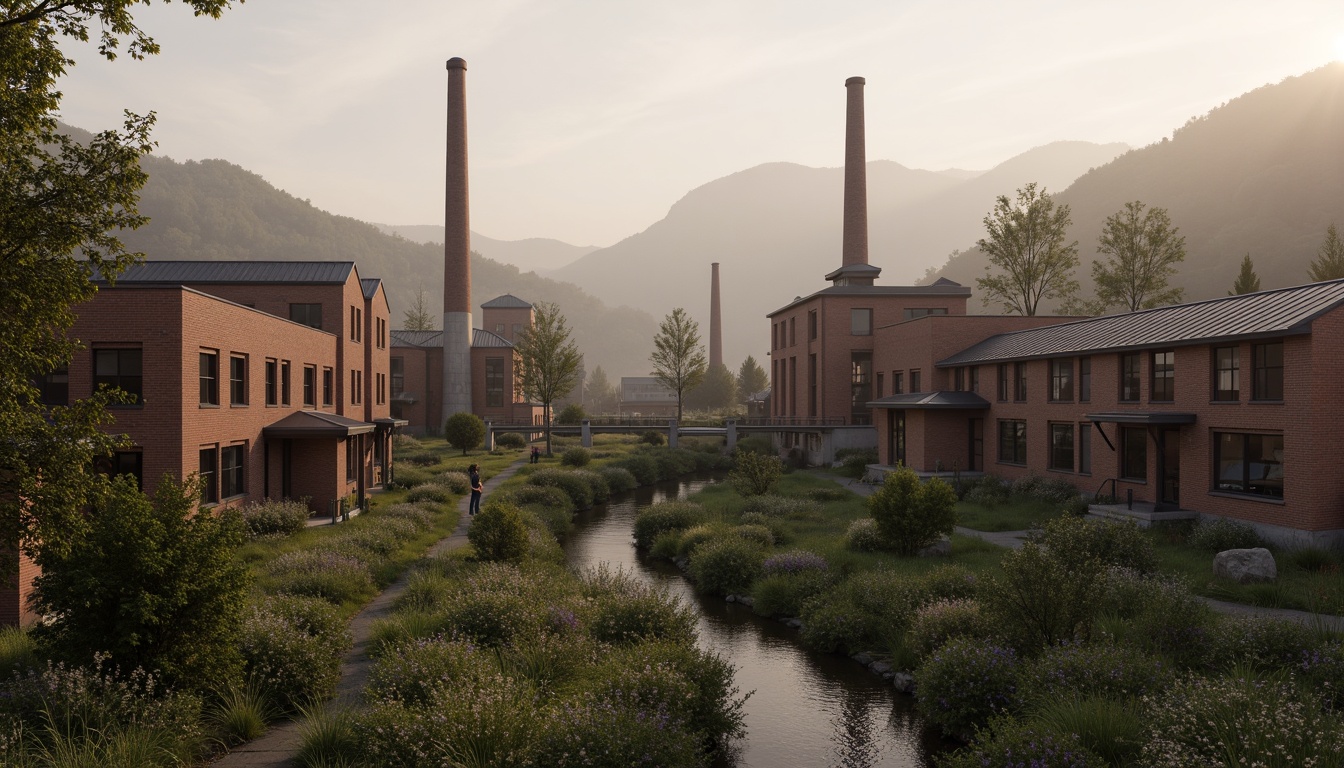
<point>316,424</point>
<point>1141,417</point>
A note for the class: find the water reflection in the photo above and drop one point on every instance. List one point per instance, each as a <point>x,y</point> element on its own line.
<point>807,709</point>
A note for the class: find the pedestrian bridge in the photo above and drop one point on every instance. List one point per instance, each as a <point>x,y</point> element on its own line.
<point>589,427</point>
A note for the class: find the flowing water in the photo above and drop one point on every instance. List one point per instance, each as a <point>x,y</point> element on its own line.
<point>808,709</point>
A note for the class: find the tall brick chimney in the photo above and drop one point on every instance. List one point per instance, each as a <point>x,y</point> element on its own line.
<point>854,268</point>
<point>715,318</point>
<point>456,251</point>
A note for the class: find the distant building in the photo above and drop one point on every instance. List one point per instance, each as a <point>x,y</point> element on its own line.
<point>646,396</point>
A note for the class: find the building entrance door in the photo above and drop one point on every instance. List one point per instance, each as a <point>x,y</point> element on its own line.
<point>1169,456</point>
<point>977,443</point>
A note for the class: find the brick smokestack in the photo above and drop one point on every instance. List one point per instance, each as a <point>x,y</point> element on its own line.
<point>715,318</point>
<point>856,177</point>
<point>456,251</point>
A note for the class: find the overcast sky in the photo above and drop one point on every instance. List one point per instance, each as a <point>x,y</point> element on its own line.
<point>587,119</point>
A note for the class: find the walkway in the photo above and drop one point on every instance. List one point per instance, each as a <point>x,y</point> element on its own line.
<point>1014,539</point>
<point>279,745</point>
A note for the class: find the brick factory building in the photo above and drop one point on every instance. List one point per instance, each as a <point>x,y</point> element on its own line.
<point>267,379</point>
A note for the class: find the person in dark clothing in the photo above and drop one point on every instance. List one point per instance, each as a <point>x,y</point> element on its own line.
<point>536,454</point>
<point>476,489</point>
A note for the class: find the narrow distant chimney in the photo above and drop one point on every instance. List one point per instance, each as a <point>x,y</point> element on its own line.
<point>456,251</point>
<point>856,177</point>
<point>715,318</point>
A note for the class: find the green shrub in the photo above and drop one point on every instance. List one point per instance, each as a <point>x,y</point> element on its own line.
<point>862,536</point>
<point>571,415</point>
<point>596,483</point>
<point>832,622</point>
<point>420,515</point>
<point>1312,559</point>
<point>578,488</point>
<point>675,462</point>
<point>408,476</point>
<point>1082,544</point>
<point>1106,670</point>
<point>653,437</point>
<point>464,430</point>
<point>756,444</point>
<point>1262,642</point>
<point>18,651</point>
<point>274,517</point>
<point>404,442</point>
<point>854,461</point>
<point>576,457</point>
<point>498,533</point>
<point>988,491</point>
<point>1010,742</point>
<point>756,534</point>
<point>642,466</point>
<point>827,494</point>
<point>727,565</point>
<point>783,594</point>
<point>754,474</point>
<point>1040,601</point>
<point>292,646</point>
<point>771,505</point>
<point>691,538</point>
<point>941,620</point>
<point>665,516</point>
<point>421,673</point>
<point>665,546</point>
<point>455,481</point>
<point>965,682</point>
<point>1155,613</point>
<point>422,458</point>
<point>1221,534</point>
<point>529,496</point>
<point>912,515</point>
<point>511,440</point>
<point>635,613</point>
<point>619,479</point>
<point>492,618</point>
<point>430,492</point>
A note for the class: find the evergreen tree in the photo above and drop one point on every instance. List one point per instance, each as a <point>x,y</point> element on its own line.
<point>751,379</point>
<point>678,359</point>
<point>717,391</point>
<point>547,365</point>
<point>1329,262</point>
<point>1027,243</point>
<point>1143,249</point>
<point>1247,280</point>
<point>418,317</point>
<point>602,396</point>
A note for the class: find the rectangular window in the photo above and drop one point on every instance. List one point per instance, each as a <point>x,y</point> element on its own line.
<point>1226,374</point>
<point>382,333</point>
<point>356,324</point>
<point>55,387</point>
<point>328,386</point>
<point>812,384</point>
<point>1013,441</point>
<point>398,367</point>
<point>959,379</point>
<point>307,314</point>
<point>124,463</point>
<point>897,383</point>
<point>793,331</point>
<point>309,386</point>
<point>911,314</point>
<point>1247,463</point>
<point>237,380</point>
<point>1164,377</point>
<point>1020,382</point>
<point>861,322</point>
<point>1268,362</point>
<point>1084,379</point>
<point>1061,447</point>
<point>1003,382</point>
<point>1133,453</point>
<point>494,382</point>
<point>121,369</point>
<point>916,385</point>
<point>812,325</point>
<point>209,378</point>
<point>272,382</point>
<point>1085,448</point>
<point>284,382</point>
<point>232,459</point>
<point>880,385</point>
<point>209,475</point>
<point>975,378</point>
<point>860,386</point>
<point>774,336</point>
<point>382,388</point>
<point>1129,377</point>
<point>351,459</point>
<point>355,387</point>
<point>1061,380</point>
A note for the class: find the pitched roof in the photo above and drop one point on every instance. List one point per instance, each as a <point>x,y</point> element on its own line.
<point>1282,312</point>
<point>942,287</point>
<point>307,272</point>
<point>931,400</point>
<point>507,301</point>
<point>370,286</point>
<point>402,338</point>
<point>316,424</point>
<point>480,338</point>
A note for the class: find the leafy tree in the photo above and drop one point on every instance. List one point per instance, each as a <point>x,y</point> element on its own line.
<point>1329,261</point>
<point>1143,249</point>
<point>154,583</point>
<point>571,415</point>
<point>498,533</point>
<point>678,359</point>
<point>418,317</point>
<point>602,396</point>
<point>753,473</point>
<point>547,365</point>
<point>60,202</point>
<point>718,390</point>
<point>1027,243</point>
<point>464,430</point>
<point>1247,280</point>
<point>751,378</point>
<point>911,514</point>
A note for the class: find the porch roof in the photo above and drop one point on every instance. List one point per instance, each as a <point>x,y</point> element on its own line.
<point>1141,417</point>
<point>932,400</point>
<point>316,424</point>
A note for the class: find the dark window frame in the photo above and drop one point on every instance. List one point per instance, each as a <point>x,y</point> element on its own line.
<point>1019,382</point>
<point>1267,368</point>
<point>209,379</point>
<point>1131,377</point>
<point>1063,451</point>
<point>272,382</point>
<point>494,382</point>
<point>1258,470</point>
<point>284,383</point>
<point>1227,374</point>
<point>232,471</point>
<point>1162,376</point>
<point>209,474</point>
<point>1133,467</point>
<point>306,314</point>
<point>1085,379</point>
<point>129,375</point>
<point>1003,382</point>
<point>310,386</point>
<point>1013,441</point>
<point>860,321</point>
<point>328,386</point>
<point>1061,380</point>
<point>238,380</point>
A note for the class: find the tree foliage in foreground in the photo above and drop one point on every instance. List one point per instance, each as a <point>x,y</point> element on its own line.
<point>1026,243</point>
<point>1143,250</point>
<point>678,359</point>
<point>547,366</point>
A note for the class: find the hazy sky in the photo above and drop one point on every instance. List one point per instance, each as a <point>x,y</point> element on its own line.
<point>587,119</point>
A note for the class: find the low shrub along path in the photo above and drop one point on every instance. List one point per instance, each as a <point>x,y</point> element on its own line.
<point>278,747</point>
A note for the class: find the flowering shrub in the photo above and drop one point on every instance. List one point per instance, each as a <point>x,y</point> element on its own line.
<point>1259,641</point>
<point>1010,743</point>
<point>1157,614</point>
<point>965,682</point>
<point>691,538</point>
<point>274,517</point>
<point>1236,721</point>
<point>1042,600</point>
<point>292,646</point>
<point>619,479</point>
<point>613,732</point>
<point>418,514</point>
<point>1102,669</point>
<point>771,505</point>
<point>579,490</point>
<point>629,611</point>
<point>321,573</point>
<point>937,622</point>
<point>665,516</point>
<point>454,481</point>
<point>988,491</point>
<point>862,536</point>
<point>759,535</point>
<point>417,673</point>
<point>1079,544</point>
<point>491,618</point>
<point>795,561</point>
<point>546,496</point>
<point>430,492</point>
<point>1221,534</point>
<point>726,566</point>
<point>833,623</point>
<point>376,541</point>
<point>1322,672</point>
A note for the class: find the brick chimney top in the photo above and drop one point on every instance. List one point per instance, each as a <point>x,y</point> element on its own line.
<point>854,267</point>
<point>849,82</point>
<point>457,63</point>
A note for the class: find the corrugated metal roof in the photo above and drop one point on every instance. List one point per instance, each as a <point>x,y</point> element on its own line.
<point>316,424</point>
<point>940,288</point>
<point>931,400</point>
<point>370,286</point>
<point>1281,312</point>
<point>480,338</point>
<point>417,338</point>
<point>507,301</point>
<point>308,272</point>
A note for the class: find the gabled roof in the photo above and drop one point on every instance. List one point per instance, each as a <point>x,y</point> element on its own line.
<point>932,400</point>
<point>416,338</point>
<point>370,286</point>
<point>316,424</point>
<point>942,287</point>
<point>480,338</point>
<point>1282,312</point>
<point>507,301</point>
<point>305,272</point>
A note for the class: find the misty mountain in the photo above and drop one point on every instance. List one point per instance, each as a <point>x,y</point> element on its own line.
<point>1263,174</point>
<point>775,230</point>
<point>534,254</point>
<point>214,210</point>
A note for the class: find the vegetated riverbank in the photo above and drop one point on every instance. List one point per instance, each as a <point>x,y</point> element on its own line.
<point>1075,650</point>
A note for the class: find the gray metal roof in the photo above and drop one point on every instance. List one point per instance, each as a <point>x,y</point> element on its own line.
<point>507,301</point>
<point>480,338</point>
<point>943,287</point>
<point>370,286</point>
<point>1282,312</point>
<point>416,338</point>
<point>307,272</point>
<point>316,424</point>
<point>932,400</point>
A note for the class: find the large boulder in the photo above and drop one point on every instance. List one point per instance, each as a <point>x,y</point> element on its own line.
<point>1245,565</point>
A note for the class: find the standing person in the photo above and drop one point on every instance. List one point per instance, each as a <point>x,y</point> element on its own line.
<point>476,489</point>
<point>536,454</point>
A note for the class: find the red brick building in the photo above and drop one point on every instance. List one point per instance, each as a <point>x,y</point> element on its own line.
<point>1212,408</point>
<point>265,379</point>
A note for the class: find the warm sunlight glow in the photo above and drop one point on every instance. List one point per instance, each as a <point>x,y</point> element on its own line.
<point>1339,47</point>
